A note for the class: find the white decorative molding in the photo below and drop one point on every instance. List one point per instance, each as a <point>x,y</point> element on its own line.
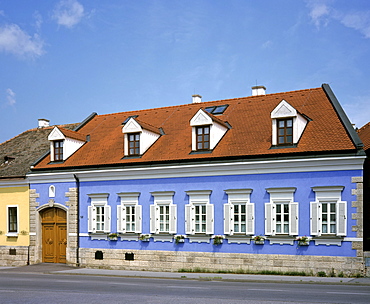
<point>103,237</point>
<point>328,242</point>
<point>281,241</point>
<point>238,240</point>
<point>198,239</point>
<point>209,169</point>
<point>129,237</point>
<point>162,238</point>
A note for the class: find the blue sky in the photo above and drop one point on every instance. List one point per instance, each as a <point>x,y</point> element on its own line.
<point>63,60</point>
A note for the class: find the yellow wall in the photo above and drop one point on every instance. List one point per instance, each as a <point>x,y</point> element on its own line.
<point>15,196</point>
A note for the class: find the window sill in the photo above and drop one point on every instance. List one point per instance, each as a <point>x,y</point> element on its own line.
<point>129,236</point>
<point>12,234</point>
<point>98,236</point>
<point>284,146</point>
<point>201,152</point>
<point>162,237</point>
<point>199,238</point>
<point>281,240</point>
<point>328,240</point>
<point>238,239</point>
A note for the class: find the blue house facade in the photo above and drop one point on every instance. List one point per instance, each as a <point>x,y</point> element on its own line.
<point>221,186</point>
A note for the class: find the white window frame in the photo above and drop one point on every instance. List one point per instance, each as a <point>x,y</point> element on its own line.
<point>238,197</point>
<point>216,130</point>
<point>163,199</point>
<point>285,111</point>
<point>99,200</point>
<point>199,198</point>
<point>281,196</point>
<point>129,199</point>
<point>12,233</point>
<point>328,194</point>
<point>52,191</point>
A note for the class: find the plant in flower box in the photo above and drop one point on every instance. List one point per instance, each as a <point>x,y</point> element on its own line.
<point>303,240</point>
<point>258,239</point>
<point>179,239</point>
<point>218,239</point>
<point>144,237</point>
<point>113,236</point>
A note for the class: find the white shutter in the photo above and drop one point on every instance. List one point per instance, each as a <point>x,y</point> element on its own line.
<point>269,221</point>
<point>119,221</point>
<point>250,219</point>
<point>228,217</point>
<point>293,219</point>
<point>107,218</point>
<point>209,219</point>
<point>123,219</point>
<point>138,221</point>
<point>173,219</point>
<point>91,219</point>
<point>154,218</point>
<point>342,219</point>
<point>189,219</point>
<point>315,218</point>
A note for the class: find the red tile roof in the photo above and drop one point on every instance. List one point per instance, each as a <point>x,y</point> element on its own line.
<point>364,134</point>
<point>249,136</point>
<point>72,134</point>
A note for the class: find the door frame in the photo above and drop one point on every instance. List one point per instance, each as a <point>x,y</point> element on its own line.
<point>38,241</point>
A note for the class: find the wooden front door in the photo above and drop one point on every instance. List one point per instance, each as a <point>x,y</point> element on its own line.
<point>54,235</point>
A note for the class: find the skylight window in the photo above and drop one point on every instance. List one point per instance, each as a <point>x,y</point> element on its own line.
<point>216,110</point>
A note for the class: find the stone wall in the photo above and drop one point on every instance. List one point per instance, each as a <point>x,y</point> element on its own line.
<point>72,223</point>
<point>175,260</point>
<point>13,255</point>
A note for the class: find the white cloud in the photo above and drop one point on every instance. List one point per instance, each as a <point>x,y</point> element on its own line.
<point>10,96</point>
<point>359,21</point>
<point>15,41</point>
<point>319,12</point>
<point>68,13</point>
<point>38,20</point>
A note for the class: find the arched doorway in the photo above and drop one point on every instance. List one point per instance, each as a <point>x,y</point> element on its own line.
<point>54,235</point>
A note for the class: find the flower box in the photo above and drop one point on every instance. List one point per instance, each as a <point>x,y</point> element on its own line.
<point>113,236</point>
<point>303,241</point>
<point>179,239</point>
<point>218,239</point>
<point>144,237</point>
<point>259,239</point>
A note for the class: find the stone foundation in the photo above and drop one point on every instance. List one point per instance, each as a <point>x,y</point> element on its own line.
<point>174,261</point>
<point>13,255</point>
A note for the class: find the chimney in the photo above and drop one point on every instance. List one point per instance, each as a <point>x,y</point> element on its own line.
<point>258,90</point>
<point>197,99</point>
<point>43,123</point>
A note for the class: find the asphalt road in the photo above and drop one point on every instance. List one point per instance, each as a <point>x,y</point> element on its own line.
<point>17,287</point>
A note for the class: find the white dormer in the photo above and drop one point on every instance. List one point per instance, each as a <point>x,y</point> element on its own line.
<point>138,138</point>
<point>287,125</point>
<point>63,143</point>
<point>206,131</point>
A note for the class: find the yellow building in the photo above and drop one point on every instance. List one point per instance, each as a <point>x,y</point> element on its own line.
<point>16,157</point>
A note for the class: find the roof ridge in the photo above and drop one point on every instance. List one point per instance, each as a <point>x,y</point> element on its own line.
<point>203,102</point>
<point>35,129</point>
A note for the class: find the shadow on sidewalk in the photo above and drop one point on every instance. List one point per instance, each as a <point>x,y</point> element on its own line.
<point>40,268</point>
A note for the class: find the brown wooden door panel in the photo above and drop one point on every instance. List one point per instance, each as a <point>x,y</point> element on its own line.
<point>54,235</point>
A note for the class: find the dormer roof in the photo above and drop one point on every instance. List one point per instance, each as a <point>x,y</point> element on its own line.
<point>59,133</point>
<point>250,135</point>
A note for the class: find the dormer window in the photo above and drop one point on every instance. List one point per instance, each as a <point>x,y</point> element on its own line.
<point>202,137</point>
<point>285,131</point>
<point>58,150</point>
<point>287,125</point>
<point>207,131</point>
<point>134,144</point>
<point>63,143</point>
<point>138,136</point>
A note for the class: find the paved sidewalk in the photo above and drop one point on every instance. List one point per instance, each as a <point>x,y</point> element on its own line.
<point>48,268</point>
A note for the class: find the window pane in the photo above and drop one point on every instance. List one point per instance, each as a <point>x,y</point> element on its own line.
<point>281,124</point>
<point>289,123</point>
